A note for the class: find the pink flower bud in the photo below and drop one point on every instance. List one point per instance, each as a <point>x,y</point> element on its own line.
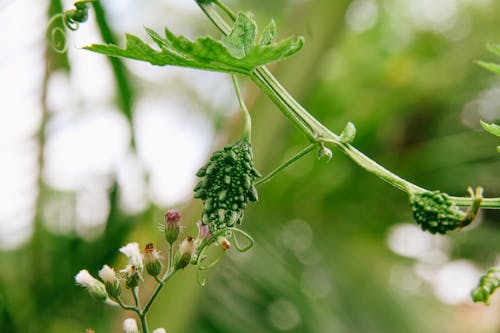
<point>203,231</point>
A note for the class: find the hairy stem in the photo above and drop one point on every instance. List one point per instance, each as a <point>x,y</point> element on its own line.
<point>316,132</point>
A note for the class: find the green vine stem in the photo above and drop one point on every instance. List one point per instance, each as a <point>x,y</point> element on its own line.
<point>247,127</point>
<point>315,131</point>
<point>294,158</point>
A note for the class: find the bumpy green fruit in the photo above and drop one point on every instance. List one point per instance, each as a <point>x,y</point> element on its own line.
<point>487,285</point>
<point>226,185</point>
<point>435,213</point>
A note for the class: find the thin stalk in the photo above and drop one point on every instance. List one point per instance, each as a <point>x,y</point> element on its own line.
<point>135,292</point>
<point>316,132</point>
<point>141,313</point>
<point>170,259</point>
<point>144,323</point>
<point>127,307</point>
<point>247,122</point>
<point>226,9</point>
<point>286,164</point>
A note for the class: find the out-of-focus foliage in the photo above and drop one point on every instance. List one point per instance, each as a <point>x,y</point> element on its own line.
<point>403,73</point>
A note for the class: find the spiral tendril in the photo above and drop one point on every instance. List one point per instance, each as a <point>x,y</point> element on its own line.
<point>230,232</point>
<point>247,236</point>
<point>56,36</point>
<point>71,19</point>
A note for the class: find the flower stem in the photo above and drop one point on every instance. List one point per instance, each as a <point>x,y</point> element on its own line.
<point>135,292</point>
<point>127,307</point>
<point>316,132</point>
<point>144,323</point>
<point>170,259</point>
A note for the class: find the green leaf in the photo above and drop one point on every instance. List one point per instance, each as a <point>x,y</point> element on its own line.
<point>491,128</point>
<point>495,68</point>
<point>269,34</point>
<point>494,48</point>
<point>237,53</point>
<point>242,37</point>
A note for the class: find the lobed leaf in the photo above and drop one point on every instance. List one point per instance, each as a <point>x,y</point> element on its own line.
<point>236,53</point>
<point>269,34</point>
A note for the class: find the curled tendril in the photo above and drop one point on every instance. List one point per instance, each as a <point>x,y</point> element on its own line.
<point>230,232</point>
<point>70,23</point>
<point>56,36</point>
<point>201,281</point>
<point>250,244</point>
<point>71,19</point>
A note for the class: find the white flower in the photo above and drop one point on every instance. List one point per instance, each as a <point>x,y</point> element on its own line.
<point>160,330</point>
<point>131,250</point>
<point>187,246</point>
<point>84,278</point>
<point>107,274</point>
<point>130,326</point>
<point>94,287</point>
<point>132,276</point>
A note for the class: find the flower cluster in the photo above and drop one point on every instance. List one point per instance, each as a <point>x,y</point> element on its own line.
<point>110,285</point>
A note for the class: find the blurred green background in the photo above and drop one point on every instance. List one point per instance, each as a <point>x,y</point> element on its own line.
<point>336,250</point>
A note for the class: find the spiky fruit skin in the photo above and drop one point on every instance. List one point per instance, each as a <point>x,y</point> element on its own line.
<point>487,286</point>
<point>434,212</point>
<point>226,185</point>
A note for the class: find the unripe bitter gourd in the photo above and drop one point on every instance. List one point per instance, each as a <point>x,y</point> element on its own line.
<point>226,185</point>
<point>435,213</point>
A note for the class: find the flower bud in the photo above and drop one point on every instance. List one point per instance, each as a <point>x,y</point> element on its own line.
<point>183,256</point>
<point>203,231</point>
<point>152,260</point>
<point>132,276</point>
<point>324,153</point>
<point>131,250</point>
<point>172,228</point>
<point>160,330</point>
<point>95,288</point>
<point>111,282</point>
<point>224,243</point>
<point>130,326</point>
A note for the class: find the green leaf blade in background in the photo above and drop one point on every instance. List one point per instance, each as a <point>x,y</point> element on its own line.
<point>494,48</point>
<point>491,128</point>
<point>495,68</point>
